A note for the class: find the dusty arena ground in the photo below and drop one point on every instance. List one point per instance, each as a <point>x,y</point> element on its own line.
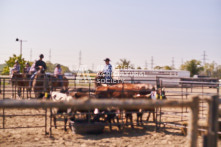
<point>139,136</point>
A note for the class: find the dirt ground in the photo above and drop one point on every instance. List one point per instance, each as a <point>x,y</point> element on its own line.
<point>139,136</point>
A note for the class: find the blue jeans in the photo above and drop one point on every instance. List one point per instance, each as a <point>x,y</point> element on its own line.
<point>60,77</point>
<point>32,78</point>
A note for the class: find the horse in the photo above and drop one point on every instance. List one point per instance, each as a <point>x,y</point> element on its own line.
<point>55,83</point>
<point>40,84</point>
<point>21,81</point>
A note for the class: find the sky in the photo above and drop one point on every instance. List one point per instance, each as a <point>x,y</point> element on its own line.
<point>131,29</point>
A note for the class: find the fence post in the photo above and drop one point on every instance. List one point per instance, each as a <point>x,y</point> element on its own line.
<point>3,119</point>
<point>46,121</point>
<point>89,88</point>
<point>211,139</point>
<point>0,85</point>
<point>193,122</point>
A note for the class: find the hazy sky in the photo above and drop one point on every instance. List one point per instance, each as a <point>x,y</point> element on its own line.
<point>131,29</point>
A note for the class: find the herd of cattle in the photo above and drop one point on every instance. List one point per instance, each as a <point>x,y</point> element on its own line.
<point>109,115</point>
<point>48,84</point>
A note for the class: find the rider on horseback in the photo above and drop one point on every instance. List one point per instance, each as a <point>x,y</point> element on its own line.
<point>39,65</point>
<point>107,71</point>
<point>16,67</point>
<point>58,73</point>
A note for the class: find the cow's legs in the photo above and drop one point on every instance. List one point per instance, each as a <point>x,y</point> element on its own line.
<point>65,123</point>
<point>131,120</point>
<point>55,122</point>
<point>153,115</point>
<point>118,123</point>
<point>19,92</point>
<point>148,115</point>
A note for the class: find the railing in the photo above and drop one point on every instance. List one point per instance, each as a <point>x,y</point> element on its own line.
<point>210,139</point>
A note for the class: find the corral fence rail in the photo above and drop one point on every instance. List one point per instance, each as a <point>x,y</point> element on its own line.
<point>210,139</point>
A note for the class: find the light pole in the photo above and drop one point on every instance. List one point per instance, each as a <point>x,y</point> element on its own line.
<point>20,44</point>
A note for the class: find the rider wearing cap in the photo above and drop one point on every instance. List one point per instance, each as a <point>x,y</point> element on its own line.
<point>40,64</point>
<point>16,67</point>
<point>58,73</point>
<point>107,71</point>
<point>27,67</point>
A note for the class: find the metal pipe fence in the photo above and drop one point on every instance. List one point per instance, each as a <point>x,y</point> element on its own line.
<point>183,91</point>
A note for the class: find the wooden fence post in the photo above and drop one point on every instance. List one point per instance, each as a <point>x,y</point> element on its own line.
<point>193,122</point>
<point>211,139</point>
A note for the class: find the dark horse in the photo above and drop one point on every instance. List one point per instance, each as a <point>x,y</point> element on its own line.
<point>55,83</point>
<point>21,82</point>
<point>40,84</point>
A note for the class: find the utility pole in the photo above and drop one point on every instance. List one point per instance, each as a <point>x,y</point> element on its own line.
<point>79,59</point>
<point>204,57</point>
<point>50,55</point>
<point>92,67</point>
<point>173,66</point>
<point>20,44</point>
<point>152,62</point>
<point>30,55</point>
<point>145,64</point>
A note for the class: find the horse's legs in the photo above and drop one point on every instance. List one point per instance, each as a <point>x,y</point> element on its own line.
<point>13,91</point>
<point>23,90</point>
<point>19,91</point>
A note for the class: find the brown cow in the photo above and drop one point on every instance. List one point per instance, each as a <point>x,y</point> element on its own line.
<point>125,90</point>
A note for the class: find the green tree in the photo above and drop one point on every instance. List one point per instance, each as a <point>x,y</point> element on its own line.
<point>209,68</point>
<point>139,67</point>
<point>212,70</point>
<point>194,66</point>
<point>10,63</point>
<point>51,67</point>
<point>167,67</point>
<point>158,67</point>
<point>124,64</point>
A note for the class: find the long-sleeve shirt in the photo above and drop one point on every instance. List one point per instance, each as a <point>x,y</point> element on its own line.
<point>16,67</point>
<point>57,71</point>
<point>40,63</point>
<point>107,71</point>
<point>32,69</point>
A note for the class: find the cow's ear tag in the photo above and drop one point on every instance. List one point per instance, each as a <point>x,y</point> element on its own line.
<point>46,94</point>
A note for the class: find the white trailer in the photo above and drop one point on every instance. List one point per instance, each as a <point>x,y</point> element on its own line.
<point>168,77</point>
